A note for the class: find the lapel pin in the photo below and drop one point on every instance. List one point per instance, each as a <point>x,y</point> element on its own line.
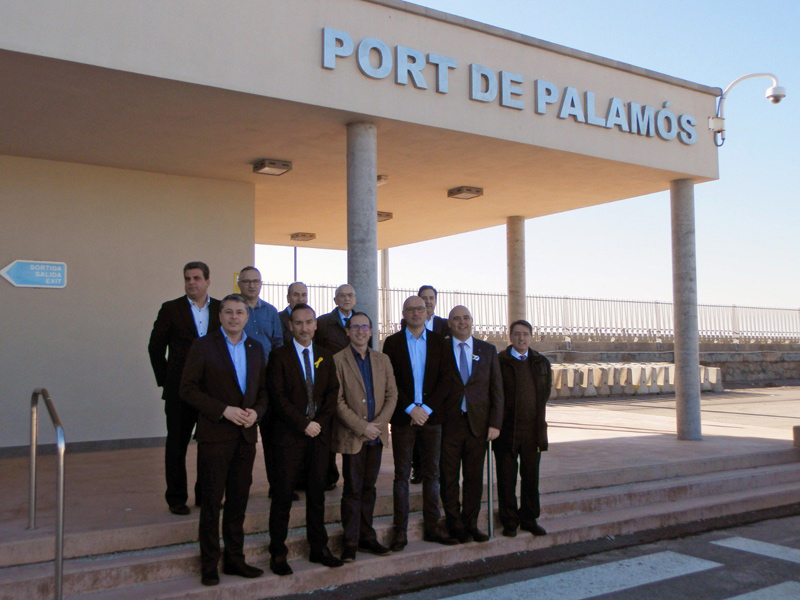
<point>316,362</point>
<point>475,357</point>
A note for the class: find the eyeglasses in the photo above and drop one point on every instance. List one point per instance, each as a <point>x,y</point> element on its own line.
<point>360,327</point>
<point>249,281</point>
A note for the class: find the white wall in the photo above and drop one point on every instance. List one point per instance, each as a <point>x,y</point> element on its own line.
<point>125,236</point>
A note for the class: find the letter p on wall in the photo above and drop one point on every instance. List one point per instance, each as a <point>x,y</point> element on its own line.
<point>335,43</point>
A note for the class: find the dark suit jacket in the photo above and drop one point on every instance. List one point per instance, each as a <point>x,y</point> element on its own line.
<point>484,389</point>
<point>435,386</point>
<point>209,384</point>
<point>330,333</point>
<point>441,326</point>
<point>175,330</point>
<point>542,377</point>
<point>284,317</point>
<point>288,397</point>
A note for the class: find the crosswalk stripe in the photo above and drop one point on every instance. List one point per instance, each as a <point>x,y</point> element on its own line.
<point>595,581</point>
<point>762,548</point>
<point>789,590</point>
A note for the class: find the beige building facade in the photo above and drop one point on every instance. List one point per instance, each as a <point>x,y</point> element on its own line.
<point>131,130</point>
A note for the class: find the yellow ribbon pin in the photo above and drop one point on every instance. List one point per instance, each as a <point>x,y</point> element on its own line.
<point>316,362</point>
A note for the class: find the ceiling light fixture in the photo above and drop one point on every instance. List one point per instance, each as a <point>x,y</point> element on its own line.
<point>384,216</point>
<point>271,166</point>
<point>303,236</point>
<point>383,180</point>
<point>465,192</point>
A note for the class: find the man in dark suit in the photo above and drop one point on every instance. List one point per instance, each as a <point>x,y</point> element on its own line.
<point>225,380</point>
<point>296,294</point>
<point>332,335</point>
<point>433,323</point>
<point>178,323</point>
<point>303,391</point>
<point>527,376</point>
<point>438,325</point>
<point>475,415</point>
<point>419,361</point>
<point>332,327</point>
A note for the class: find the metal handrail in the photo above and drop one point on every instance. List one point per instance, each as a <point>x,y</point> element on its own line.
<point>61,447</point>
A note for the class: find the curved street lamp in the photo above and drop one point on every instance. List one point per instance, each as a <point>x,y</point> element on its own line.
<point>774,94</point>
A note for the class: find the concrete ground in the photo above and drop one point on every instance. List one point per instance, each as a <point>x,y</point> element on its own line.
<point>754,562</point>
<point>125,487</point>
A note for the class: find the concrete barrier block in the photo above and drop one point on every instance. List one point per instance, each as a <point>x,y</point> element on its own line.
<point>586,382</point>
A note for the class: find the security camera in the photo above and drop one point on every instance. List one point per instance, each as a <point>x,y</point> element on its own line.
<point>776,93</point>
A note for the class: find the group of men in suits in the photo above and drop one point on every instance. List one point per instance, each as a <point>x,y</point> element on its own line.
<point>315,387</point>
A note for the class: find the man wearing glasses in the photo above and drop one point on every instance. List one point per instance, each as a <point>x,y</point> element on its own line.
<point>367,397</point>
<point>423,382</point>
<point>263,323</point>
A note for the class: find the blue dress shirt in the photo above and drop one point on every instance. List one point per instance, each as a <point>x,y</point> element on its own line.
<point>418,353</point>
<point>239,359</point>
<point>468,350</point>
<point>264,325</point>
<point>299,349</point>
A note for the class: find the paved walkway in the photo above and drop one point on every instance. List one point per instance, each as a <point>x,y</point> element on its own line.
<point>124,488</point>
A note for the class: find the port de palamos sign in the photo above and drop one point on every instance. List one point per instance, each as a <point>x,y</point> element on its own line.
<point>377,60</point>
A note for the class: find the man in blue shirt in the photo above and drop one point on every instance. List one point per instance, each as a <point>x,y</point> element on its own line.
<point>263,323</point>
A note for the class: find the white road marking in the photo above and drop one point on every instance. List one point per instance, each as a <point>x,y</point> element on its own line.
<point>789,590</point>
<point>762,548</point>
<point>595,581</point>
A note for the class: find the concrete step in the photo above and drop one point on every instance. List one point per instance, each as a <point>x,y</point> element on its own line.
<point>420,555</point>
<point>35,547</point>
<point>581,514</point>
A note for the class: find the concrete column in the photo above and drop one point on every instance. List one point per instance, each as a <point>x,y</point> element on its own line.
<point>684,291</point>
<point>386,314</point>
<point>362,217</point>
<point>515,244</point>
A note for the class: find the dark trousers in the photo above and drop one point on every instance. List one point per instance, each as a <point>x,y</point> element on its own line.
<point>527,457</point>
<point>181,419</point>
<point>358,497</point>
<point>429,439</point>
<point>225,470</point>
<point>309,458</point>
<point>333,470</point>
<point>462,451</point>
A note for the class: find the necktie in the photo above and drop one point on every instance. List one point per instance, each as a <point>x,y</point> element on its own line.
<point>463,371</point>
<point>311,407</point>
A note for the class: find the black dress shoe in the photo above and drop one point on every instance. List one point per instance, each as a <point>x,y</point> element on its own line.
<point>440,538</point>
<point>374,547</point>
<point>209,578</point>
<point>242,570</point>
<point>348,554</point>
<point>510,531</point>
<point>330,486</point>
<point>416,477</point>
<point>279,566</point>
<point>460,535</point>
<point>478,535</point>
<point>325,558</point>
<point>399,542</point>
<point>535,529</point>
<point>181,509</point>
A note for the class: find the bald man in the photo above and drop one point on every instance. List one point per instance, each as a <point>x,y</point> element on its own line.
<point>474,417</point>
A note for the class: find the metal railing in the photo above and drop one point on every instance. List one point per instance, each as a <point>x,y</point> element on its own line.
<point>61,447</point>
<point>578,318</point>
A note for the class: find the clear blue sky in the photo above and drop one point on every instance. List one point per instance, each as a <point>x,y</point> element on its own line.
<point>748,222</point>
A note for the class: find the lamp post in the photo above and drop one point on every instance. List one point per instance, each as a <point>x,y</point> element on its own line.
<point>774,94</point>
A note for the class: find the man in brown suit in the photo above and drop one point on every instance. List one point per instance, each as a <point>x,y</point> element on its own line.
<point>367,397</point>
